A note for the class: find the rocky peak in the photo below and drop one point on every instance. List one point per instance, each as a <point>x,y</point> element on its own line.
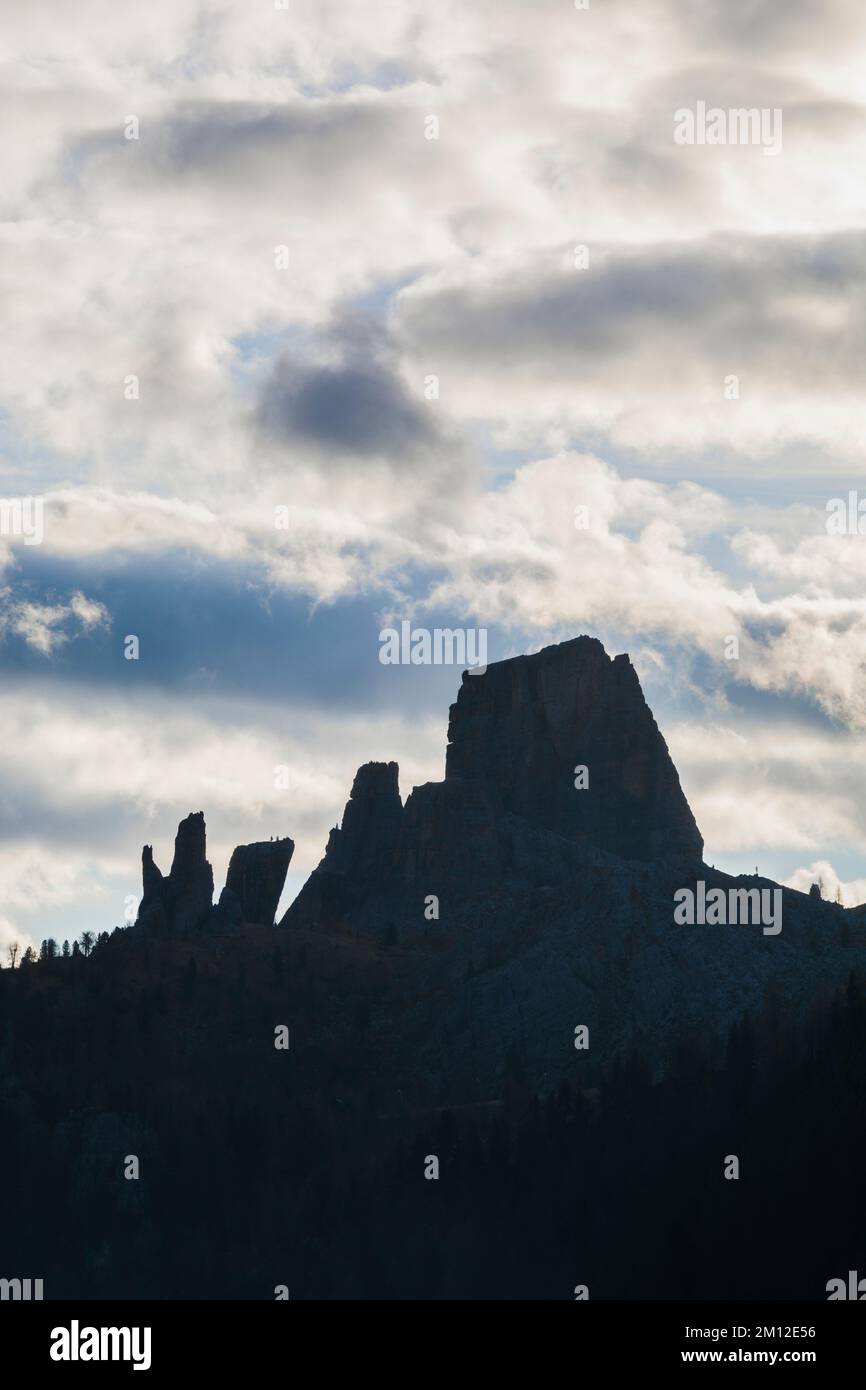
<point>361,855</point>
<point>523,727</point>
<point>509,811</point>
<point>371,821</point>
<point>151,876</point>
<point>183,902</point>
<point>256,878</point>
<point>189,886</point>
<point>152,908</point>
<point>190,845</point>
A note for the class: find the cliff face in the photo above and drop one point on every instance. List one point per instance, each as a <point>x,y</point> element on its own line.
<point>499,908</point>
<point>189,887</point>
<point>183,902</point>
<point>256,876</point>
<point>366,840</point>
<point>523,727</point>
<point>509,811</point>
<point>554,763</point>
<point>361,855</point>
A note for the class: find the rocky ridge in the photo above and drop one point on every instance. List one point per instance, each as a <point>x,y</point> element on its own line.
<point>182,903</point>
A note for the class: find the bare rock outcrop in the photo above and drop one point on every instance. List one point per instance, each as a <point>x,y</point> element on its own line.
<point>152,912</point>
<point>189,886</point>
<point>361,855</point>
<point>513,809</point>
<point>525,725</point>
<point>256,878</point>
<point>183,902</point>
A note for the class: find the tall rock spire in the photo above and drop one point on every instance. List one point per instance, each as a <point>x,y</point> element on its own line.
<point>182,902</point>
<point>550,757</point>
<point>256,877</point>
<point>525,726</point>
<point>189,887</point>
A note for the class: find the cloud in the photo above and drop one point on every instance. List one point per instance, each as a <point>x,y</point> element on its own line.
<point>302,388</point>
<point>567,544</point>
<point>38,889</point>
<point>762,26</point>
<point>759,784</point>
<point>646,342</point>
<point>47,627</point>
<point>833,888</point>
<point>308,130</point>
<point>570,545</point>
<point>351,404</point>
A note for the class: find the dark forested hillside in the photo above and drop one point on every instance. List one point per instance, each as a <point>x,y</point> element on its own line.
<point>260,1166</point>
<point>481,1055</point>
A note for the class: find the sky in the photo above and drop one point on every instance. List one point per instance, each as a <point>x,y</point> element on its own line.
<point>322,316</point>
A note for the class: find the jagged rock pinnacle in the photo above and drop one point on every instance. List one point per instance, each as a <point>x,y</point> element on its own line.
<point>256,877</point>
<point>510,809</point>
<point>524,726</point>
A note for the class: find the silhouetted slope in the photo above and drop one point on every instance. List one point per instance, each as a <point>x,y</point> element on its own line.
<point>260,1167</point>
<point>434,975</point>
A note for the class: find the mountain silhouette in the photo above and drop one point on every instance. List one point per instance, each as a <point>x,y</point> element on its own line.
<point>490,976</point>
<point>509,814</point>
<point>529,893</point>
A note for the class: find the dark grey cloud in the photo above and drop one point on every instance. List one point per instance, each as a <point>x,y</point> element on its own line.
<point>768,25</point>
<point>208,629</point>
<point>236,144</point>
<point>790,309</point>
<point>352,403</point>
